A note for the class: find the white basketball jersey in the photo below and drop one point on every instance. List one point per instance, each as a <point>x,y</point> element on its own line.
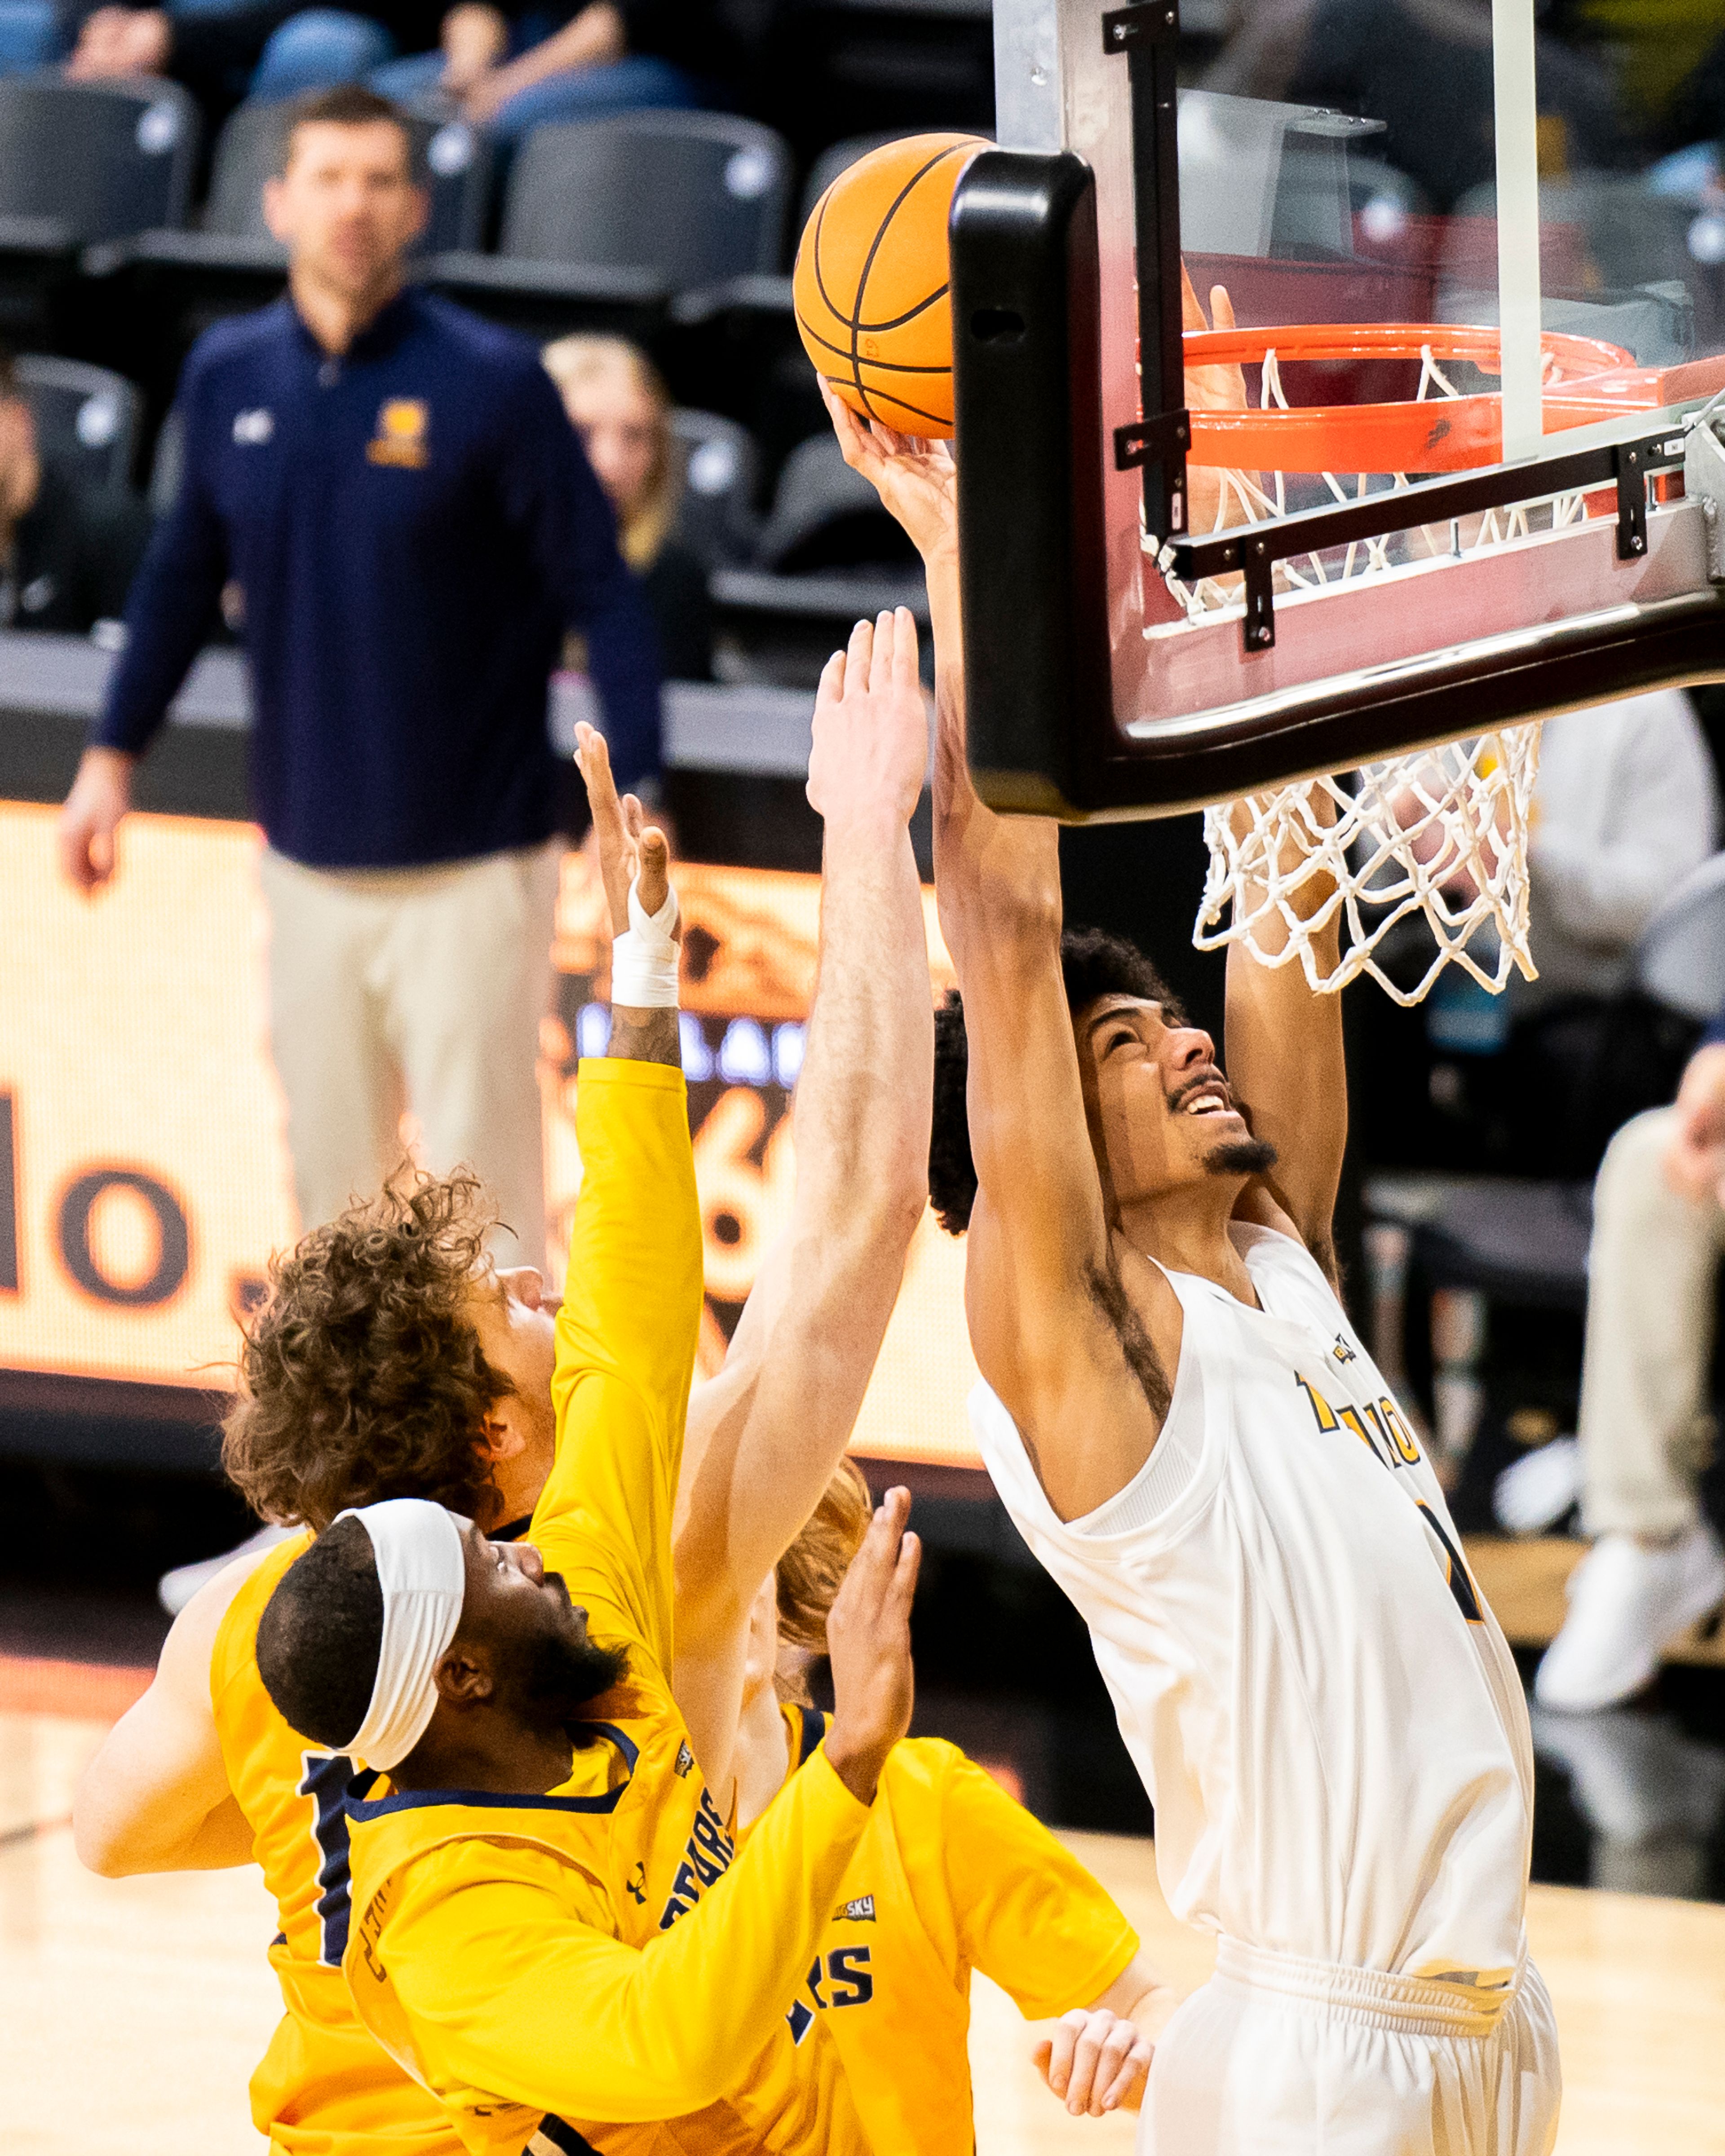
<point>1325,1717</point>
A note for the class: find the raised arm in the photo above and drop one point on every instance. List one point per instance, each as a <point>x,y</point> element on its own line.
<point>765,1435</point>
<point>626,1332</point>
<point>156,1796</point>
<point>1283,1050</point>
<point>1049,1323</point>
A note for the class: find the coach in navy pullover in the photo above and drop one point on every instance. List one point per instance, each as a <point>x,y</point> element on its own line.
<point>413,525</point>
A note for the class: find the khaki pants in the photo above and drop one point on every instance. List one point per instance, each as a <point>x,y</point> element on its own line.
<point>1645,1434</point>
<point>418,988</point>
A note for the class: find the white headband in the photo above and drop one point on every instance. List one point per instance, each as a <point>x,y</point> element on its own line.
<point>421,1568</point>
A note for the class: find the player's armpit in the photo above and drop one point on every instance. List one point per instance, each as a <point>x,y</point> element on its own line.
<point>1083,1375</point>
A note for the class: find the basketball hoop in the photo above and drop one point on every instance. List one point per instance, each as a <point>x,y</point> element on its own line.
<point>1442,833</point>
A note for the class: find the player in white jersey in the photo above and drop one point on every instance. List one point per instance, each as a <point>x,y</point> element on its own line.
<point>1186,1430</point>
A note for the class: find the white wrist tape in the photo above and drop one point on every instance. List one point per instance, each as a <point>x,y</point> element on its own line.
<point>644,961</point>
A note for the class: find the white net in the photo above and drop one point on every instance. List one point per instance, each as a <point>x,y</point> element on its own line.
<point>1443,833</point>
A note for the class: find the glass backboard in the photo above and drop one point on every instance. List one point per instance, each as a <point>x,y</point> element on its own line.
<point>1443,471</point>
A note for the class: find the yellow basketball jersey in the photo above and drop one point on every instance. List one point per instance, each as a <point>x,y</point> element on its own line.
<point>873,2057</point>
<point>950,1875</point>
<point>324,2087</point>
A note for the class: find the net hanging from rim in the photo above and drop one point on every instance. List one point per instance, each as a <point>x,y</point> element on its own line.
<point>1443,833</point>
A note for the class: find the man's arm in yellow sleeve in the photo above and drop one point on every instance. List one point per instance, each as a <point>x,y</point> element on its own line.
<point>1029,1916</point>
<point>625,1346</point>
<point>508,1993</point>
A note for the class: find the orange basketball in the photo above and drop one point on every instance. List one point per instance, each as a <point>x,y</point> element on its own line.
<point>870,284</point>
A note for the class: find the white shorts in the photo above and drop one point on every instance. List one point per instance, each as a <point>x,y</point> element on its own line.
<point>1278,2056</point>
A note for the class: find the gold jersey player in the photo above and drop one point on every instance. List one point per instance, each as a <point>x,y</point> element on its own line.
<point>1186,1429</point>
<point>547,1910</point>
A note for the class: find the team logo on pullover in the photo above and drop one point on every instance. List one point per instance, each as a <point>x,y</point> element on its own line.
<point>403,423</point>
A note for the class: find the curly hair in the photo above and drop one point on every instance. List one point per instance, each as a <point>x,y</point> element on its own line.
<point>362,1376</point>
<point>1093,964</point>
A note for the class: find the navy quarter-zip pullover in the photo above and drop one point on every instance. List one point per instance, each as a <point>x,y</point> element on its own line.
<point>412,527</point>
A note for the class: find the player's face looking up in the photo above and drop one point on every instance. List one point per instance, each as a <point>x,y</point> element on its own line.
<point>516,1320</point>
<point>521,1646</point>
<point>1160,1112</point>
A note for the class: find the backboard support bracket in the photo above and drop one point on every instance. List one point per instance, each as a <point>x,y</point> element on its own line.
<point>1144,36</point>
<point>1253,550</point>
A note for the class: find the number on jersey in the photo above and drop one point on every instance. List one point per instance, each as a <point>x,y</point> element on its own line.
<point>1391,1444</point>
<point>325,1781</point>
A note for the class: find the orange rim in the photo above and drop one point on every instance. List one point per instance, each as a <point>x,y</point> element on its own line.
<point>1587,380</point>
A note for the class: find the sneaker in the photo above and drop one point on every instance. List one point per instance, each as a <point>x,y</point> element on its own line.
<point>1627,1603</point>
<point>175,1589</point>
<point>1538,1491</point>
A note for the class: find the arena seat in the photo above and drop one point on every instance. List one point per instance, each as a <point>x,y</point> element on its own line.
<point>86,417</point>
<point>232,261</point>
<point>1616,264</point>
<point>715,515</point>
<point>169,285</point>
<point>84,161</point>
<point>605,219</point>
<point>826,556</point>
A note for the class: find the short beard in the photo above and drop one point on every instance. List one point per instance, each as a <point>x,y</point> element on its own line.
<point>1241,1157</point>
<point>562,1677</point>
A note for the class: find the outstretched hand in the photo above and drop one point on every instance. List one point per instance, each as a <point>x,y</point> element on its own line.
<point>1212,502</point>
<point>868,1641</point>
<point>870,741</point>
<point>916,480</point>
<point>628,846</point>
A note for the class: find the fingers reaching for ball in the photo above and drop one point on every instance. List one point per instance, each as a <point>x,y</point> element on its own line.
<point>869,755</point>
<point>916,480</point>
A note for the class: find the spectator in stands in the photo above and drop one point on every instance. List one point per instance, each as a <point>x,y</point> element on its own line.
<point>1656,1566</point>
<point>68,552</point>
<point>622,411</point>
<point>414,527</point>
<point>1626,804</point>
<point>1536,1081</point>
<point>222,52</point>
<point>515,67</point>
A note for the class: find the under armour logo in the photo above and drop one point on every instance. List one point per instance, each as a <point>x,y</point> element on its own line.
<point>637,1884</point>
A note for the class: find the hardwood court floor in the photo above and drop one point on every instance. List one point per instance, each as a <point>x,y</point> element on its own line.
<point>131,2011</point>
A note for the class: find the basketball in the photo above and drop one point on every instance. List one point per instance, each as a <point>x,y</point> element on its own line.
<point>871,284</point>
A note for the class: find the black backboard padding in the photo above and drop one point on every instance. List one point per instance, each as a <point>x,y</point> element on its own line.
<point>1031,512</point>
